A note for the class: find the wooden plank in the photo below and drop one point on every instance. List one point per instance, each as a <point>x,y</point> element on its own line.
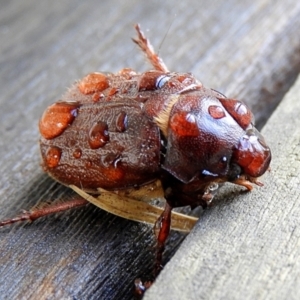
<point>248,50</point>
<point>249,246</point>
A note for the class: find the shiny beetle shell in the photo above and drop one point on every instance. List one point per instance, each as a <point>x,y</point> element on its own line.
<point>124,130</point>
<point>108,144</point>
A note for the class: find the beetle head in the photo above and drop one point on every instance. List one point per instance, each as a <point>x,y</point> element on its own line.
<point>251,153</point>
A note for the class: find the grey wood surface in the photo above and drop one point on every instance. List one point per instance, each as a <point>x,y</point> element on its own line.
<point>249,246</point>
<point>249,50</point>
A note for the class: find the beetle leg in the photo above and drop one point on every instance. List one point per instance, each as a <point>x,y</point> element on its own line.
<point>162,230</point>
<point>38,212</point>
<point>135,210</point>
<point>147,48</point>
<point>140,288</point>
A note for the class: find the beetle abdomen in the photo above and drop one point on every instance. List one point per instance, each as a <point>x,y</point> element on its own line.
<point>111,145</point>
<point>103,133</point>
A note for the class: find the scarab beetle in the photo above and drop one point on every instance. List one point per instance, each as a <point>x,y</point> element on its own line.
<point>129,136</point>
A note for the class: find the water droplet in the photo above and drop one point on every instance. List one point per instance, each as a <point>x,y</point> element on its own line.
<point>112,92</point>
<point>190,117</point>
<point>97,96</point>
<point>88,164</point>
<point>213,186</point>
<point>186,79</point>
<point>113,173</point>
<point>77,153</point>
<point>116,161</point>
<point>109,159</point>
<point>184,124</point>
<point>239,112</point>
<point>53,156</point>
<point>94,82</point>
<point>57,118</point>
<point>127,73</point>
<point>241,108</point>
<point>122,121</point>
<point>98,135</point>
<point>216,112</point>
<point>161,81</point>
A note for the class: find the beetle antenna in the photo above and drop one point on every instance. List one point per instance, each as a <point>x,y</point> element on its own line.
<point>167,32</point>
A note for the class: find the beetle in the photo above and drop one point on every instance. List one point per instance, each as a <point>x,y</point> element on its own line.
<point>121,139</point>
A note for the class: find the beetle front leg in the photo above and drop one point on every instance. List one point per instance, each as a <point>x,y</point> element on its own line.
<point>162,230</point>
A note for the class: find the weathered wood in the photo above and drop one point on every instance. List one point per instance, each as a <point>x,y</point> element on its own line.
<point>248,247</point>
<point>248,50</point>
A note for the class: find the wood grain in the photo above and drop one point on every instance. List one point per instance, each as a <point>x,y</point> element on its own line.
<point>249,50</point>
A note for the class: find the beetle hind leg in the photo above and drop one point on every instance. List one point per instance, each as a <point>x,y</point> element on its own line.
<point>39,212</point>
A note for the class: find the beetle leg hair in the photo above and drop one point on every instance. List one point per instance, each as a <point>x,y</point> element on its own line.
<point>147,48</point>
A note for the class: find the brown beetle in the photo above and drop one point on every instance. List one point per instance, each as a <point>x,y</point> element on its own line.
<point>117,139</point>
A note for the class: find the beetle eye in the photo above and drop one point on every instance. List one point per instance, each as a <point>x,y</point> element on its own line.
<point>222,164</point>
<point>234,172</point>
<point>224,159</point>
